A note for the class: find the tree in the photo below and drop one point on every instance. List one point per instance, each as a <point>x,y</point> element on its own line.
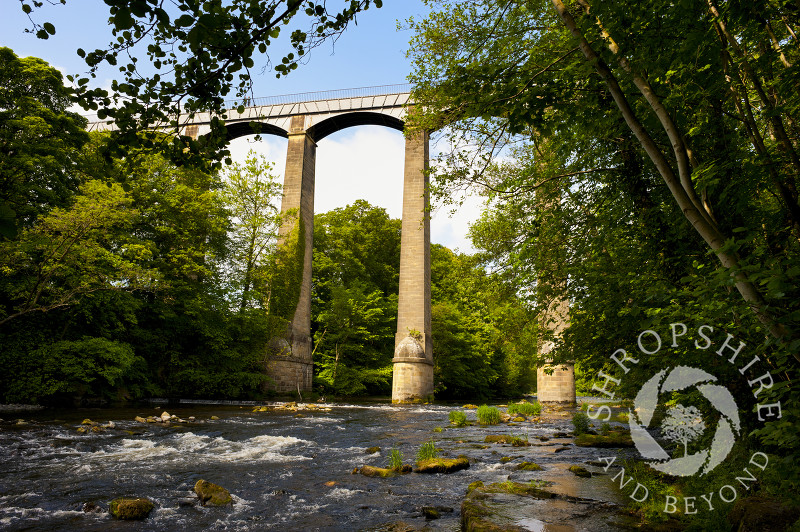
<point>73,252</point>
<point>683,424</point>
<point>354,297</point>
<point>197,55</point>
<point>250,193</point>
<point>670,133</point>
<point>526,70</point>
<point>350,342</point>
<point>39,142</point>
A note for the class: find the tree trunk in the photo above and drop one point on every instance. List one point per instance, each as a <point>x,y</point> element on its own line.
<point>712,236</point>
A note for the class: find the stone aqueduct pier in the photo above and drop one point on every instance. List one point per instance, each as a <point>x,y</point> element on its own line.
<point>305,119</point>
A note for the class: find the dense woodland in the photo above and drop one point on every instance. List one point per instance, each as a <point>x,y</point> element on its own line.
<point>641,159</point>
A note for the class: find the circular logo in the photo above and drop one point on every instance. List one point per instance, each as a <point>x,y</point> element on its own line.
<point>684,424</point>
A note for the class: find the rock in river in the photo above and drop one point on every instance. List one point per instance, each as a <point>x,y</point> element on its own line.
<point>210,493</point>
<point>442,465</point>
<point>130,509</point>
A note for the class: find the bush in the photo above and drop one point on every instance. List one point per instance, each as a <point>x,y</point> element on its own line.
<point>458,418</point>
<point>605,428</point>
<point>395,459</point>
<point>581,423</point>
<point>427,451</point>
<point>488,415</point>
<point>526,409</point>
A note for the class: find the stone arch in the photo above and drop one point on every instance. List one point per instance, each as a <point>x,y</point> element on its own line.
<point>339,122</point>
<point>243,129</point>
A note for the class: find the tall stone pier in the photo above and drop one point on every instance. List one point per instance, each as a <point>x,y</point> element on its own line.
<point>290,364</point>
<point>555,383</point>
<point>412,377</point>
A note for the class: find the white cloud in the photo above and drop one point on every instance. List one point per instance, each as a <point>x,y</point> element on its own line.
<point>366,163</point>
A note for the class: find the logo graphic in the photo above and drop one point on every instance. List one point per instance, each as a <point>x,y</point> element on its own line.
<point>684,424</point>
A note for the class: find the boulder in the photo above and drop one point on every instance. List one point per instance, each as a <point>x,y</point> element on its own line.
<point>381,472</point>
<point>372,450</point>
<point>529,466</point>
<point>130,509</point>
<point>506,438</point>
<point>442,465</point>
<point>613,440</point>
<point>579,471</point>
<point>212,494</point>
<point>474,485</point>
<point>165,416</point>
<point>430,512</point>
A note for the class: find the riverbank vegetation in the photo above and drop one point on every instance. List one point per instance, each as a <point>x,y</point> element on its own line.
<point>641,164</point>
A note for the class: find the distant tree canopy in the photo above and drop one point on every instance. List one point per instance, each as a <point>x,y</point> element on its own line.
<point>483,335</point>
<point>187,56</point>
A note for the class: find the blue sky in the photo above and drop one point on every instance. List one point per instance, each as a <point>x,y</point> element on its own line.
<point>356,163</point>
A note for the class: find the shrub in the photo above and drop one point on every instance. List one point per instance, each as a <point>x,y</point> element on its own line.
<point>395,459</point>
<point>605,428</point>
<point>427,451</point>
<point>581,423</point>
<point>526,409</point>
<point>458,418</point>
<point>488,415</point>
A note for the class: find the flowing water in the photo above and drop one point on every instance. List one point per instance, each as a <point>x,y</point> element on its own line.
<point>284,472</point>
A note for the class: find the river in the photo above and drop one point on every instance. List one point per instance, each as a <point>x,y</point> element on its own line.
<point>284,472</point>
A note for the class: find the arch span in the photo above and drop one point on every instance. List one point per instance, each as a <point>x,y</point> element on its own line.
<point>336,123</point>
<point>242,129</point>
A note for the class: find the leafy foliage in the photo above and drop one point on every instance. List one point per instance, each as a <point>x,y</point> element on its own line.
<point>39,142</point>
<point>199,54</point>
<point>640,163</point>
<point>581,423</point>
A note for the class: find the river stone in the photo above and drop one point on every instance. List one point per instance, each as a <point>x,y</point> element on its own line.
<point>443,465</point>
<point>165,416</point>
<point>579,471</point>
<point>430,512</point>
<point>372,450</point>
<point>210,493</point>
<point>370,471</point>
<point>529,466</point>
<point>130,509</point>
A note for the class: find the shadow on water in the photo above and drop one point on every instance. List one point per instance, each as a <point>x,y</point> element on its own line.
<point>284,472</point>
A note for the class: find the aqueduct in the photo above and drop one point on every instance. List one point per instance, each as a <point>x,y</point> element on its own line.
<point>305,119</point>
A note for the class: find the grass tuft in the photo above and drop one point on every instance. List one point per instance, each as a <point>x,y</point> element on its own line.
<point>427,451</point>
<point>488,415</point>
<point>458,418</point>
<point>526,409</point>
